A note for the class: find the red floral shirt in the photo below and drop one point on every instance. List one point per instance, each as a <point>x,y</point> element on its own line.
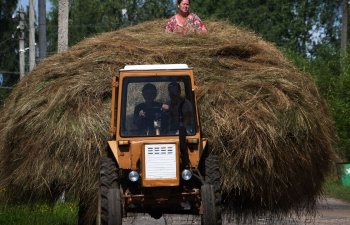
<point>192,24</point>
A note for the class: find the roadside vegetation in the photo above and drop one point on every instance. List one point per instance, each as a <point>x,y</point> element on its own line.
<point>38,214</point>
<point>64,213</point>
<point>332,188</point>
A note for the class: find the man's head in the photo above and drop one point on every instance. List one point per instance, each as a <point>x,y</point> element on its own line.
<point>149,92</point>
<point>174,89</point>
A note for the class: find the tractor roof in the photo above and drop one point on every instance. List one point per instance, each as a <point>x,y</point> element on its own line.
<point>156,67</point>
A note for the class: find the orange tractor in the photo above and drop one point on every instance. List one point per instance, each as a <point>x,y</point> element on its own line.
<point>157,161</point>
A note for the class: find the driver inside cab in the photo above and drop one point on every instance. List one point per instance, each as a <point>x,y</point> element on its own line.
<point>148,112</point>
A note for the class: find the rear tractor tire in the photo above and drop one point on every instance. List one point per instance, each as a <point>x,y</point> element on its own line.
<point>110,196</point>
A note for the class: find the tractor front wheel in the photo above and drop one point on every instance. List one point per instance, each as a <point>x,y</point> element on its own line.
<point>211,193</point>
<point>110,197</point>
<point>209,206</point>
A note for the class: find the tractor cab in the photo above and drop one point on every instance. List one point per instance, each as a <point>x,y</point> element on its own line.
<point>154,106</point>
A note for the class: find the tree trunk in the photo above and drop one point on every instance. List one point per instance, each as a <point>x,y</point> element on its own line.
<point>42,30</point>
<point>63,11</point>
<point>344,29</point>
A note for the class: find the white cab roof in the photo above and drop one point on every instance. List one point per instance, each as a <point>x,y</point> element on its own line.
<point>156,67</point>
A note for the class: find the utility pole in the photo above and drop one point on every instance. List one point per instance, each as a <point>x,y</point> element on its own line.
<point>63,11</point>
<point>21,43</point>
<point>31,35</point>
<point>344,26</point>
<point>344,35</point>
<point>42,30</point>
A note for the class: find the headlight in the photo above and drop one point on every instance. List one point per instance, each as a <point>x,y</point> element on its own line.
<point>186,174</point>
<point>134,176</point>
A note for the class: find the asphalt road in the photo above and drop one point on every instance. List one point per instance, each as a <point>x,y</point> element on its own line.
<point>329,212</point>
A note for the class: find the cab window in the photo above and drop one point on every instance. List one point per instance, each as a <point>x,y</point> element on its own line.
<point>157,106</point>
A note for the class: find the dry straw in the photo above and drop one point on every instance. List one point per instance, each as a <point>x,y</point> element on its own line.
<point>263,117</point>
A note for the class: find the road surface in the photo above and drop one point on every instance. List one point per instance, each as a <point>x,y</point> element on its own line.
<point>329,212</point>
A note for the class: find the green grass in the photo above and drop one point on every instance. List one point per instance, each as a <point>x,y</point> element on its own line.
<point>333,188</point>
<point>38,214</point>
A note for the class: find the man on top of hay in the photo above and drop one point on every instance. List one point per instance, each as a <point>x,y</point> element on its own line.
<point>185,22</point>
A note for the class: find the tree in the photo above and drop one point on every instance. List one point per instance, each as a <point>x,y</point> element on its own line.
<point>8,42</point>
<point>344,33</point>
<point>8,45</point>
<point>90,17</point>
<point>286,23</point>
<point>97,16</point>
<point>52,28</point>
<point>151,9</point>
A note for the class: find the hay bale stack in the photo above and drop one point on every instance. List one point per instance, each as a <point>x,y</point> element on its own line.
<point>263,117</point>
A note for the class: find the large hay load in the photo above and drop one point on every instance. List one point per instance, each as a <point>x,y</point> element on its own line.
<point>263,117</point>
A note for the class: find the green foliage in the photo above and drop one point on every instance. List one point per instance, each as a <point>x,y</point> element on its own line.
<point>8,42</point>
<point>52,28</point>
<point>286,23</point>
<point>90,17</point>
<point>3,95</point>
<point>333,188</point>
<point>335,86</point>
<point>39,214</point>
<point>340,106</point>
<point>154,9</point>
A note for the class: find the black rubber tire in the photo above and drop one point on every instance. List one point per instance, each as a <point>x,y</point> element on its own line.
<point>110,198</point>
<point>211,193</point>
<point>115,213</point>
<point>208,205</point>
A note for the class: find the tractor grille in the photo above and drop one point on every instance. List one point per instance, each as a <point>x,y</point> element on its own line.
<point>160,161</point>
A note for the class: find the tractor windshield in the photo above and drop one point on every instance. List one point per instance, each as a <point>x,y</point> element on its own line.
<point>153,106</point>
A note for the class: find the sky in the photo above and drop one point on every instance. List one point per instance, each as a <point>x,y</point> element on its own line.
<point>25,3</point>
